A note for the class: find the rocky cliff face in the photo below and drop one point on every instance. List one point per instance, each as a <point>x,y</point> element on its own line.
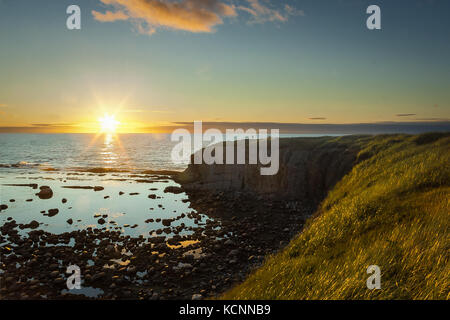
<point>309,167</point>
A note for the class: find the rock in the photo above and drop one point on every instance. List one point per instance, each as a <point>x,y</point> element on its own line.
<point>98,276</point>
<point>173,189</point>
<point>166,222</point>
<point>197,296</point>
<point>182,266</point>
<point>52,212</point>
<point>33,224</point>
<point>70,221</point>
<point>152,196</point>
<point>59,280</point>
<point>45,193</point>
<point>3,207</point>
<point>64,200</point>
<point>98,188</point>
<point>155,296</point>
<point>229,242</point>
<point>101,221</point>
<point>121,193</point>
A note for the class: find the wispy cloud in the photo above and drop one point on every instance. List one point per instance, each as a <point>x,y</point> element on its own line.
<point>190,15</point>
<point>109,16</point>
<point>264,12</point>
<point>48,125</point>
<point>317,118</point>
<point>405,114</point>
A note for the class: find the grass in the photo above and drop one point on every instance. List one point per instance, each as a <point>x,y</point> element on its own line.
<point>391,210</point>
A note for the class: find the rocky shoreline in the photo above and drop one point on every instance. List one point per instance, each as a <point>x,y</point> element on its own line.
<point>204,264</point>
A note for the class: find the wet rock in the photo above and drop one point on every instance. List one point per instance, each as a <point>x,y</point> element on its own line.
<point>166,222</point>
<point>52,212</point>
<point>98,188</point>
<point>64,200</point>
<point>229,242</point>
<point>173,189</point>
<point>152,196</point>
<point>98,276</point>
<point>197,296</point>
<point>45,193</point>
<point>101,221</point>
<point>33,224</point>
<point>70,221</point>
<point>3,207</point>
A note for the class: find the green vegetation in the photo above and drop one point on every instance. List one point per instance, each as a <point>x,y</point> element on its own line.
<point>391,210</point>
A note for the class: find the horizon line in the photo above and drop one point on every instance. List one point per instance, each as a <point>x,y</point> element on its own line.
<point>284,128</point>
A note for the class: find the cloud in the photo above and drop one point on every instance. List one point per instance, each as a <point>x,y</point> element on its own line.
<point>109,16</point>
<point>405,114</point>
<point>48,125</point>
<point>3,105</point>
<point>317,118</point>
<point>263,13</point>
<point>190,15</point>
<point>433,119</point>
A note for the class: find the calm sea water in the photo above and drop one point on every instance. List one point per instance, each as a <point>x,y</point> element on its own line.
<point>77,151</point>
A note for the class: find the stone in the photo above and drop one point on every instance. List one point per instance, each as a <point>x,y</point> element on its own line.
<point>45,193</point>
<point>33,224</point>
<point>52,212</point>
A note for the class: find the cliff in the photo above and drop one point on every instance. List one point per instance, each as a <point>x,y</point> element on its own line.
<point>308,168</point>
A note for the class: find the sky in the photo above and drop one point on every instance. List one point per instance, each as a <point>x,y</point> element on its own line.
<point>156,63</point>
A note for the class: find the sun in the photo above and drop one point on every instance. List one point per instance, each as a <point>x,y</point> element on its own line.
<point>108,124</point>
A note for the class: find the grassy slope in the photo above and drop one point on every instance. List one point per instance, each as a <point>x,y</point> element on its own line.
<point>391,210</point>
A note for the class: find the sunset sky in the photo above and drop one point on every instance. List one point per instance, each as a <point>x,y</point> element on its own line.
<point>153,63</point>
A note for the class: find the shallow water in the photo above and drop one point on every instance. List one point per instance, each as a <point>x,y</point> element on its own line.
<point>123,211</point>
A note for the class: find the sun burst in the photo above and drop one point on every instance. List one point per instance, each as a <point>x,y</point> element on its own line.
<point>108,123</point>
